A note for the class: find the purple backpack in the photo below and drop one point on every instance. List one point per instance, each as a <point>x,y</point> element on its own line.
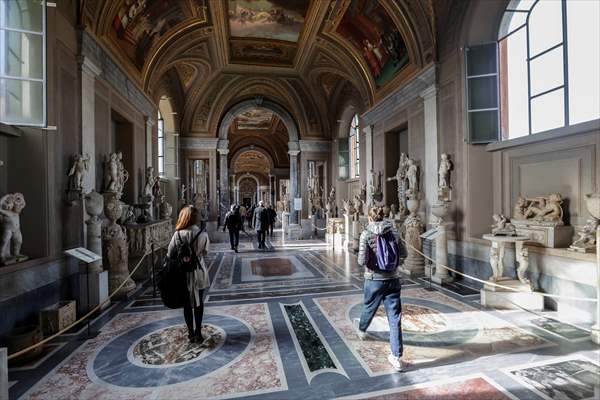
<point>386,255</point>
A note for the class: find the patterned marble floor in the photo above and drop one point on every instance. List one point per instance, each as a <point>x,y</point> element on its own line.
<point>279,325</point>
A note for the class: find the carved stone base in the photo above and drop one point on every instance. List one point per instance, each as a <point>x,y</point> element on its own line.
<point>511,300</point>
<point>115,259</point>
<point>546,235</point>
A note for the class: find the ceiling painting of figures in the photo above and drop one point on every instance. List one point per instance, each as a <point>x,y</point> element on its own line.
<point>370,29</point>
<point>267,19</point>
<point>252,161</point>
<point>139,24</point>
<point>254,119</point>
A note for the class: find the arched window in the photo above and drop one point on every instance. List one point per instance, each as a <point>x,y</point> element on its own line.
<point>549,58</point>
<point>354,145</point>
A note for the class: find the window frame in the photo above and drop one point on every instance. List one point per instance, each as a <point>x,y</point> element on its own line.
<point>504,32</point>
<point>44,80</point>
<point>160,155</point>
<point>354,148</point>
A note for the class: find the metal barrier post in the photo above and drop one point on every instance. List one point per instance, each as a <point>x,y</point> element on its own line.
<point>153,278</point>
<point>3,373</point>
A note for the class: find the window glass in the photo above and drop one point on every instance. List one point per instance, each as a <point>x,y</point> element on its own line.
<point>547,111</point>
<point>22,62</point>
<point>545,26</point>
<point>547,71</point>
<point>513,83</point>
<point>161,145</point>
<point>583,36</point>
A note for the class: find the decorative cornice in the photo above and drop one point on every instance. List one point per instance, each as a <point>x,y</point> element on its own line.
<point>317,146</point>
<point>401,97</point>
<point>198,143</point>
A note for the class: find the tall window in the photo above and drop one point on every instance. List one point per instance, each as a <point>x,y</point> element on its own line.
<point>549,58</point>
<point>23,62</point>
<point>161,145</point>
<point>354,144</point>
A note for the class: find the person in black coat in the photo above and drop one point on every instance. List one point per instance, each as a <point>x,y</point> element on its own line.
<point>233,222</point>
<point>261,222</point>
<point>272,217</point>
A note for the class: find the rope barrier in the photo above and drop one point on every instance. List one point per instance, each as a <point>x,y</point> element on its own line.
<point>98,307</point>
<point>489,283</point>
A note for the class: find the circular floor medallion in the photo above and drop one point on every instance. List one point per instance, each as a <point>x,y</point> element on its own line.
<point>171,346</point>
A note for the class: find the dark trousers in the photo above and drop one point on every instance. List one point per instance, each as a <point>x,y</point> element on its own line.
<point>260,236</point>
<point>234,238</point>
<point>270,229</point>
<point>388,292</point>
<point>196,314</point>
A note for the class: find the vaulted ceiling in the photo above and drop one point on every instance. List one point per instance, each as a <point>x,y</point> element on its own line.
<point>306,55</point>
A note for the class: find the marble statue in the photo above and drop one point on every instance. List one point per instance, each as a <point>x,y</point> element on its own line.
<point>540,208</point>
<point>358,207</point>
<point>330,206</point>
<point>149,190</point>
<point>496,257</point>
<point>184,190</point>
<point>400,177</point>
<point>79,168</point>
<point>11,238</point>
<point>115,174</point>
<point>166,209</point>
<point>412,174</point>
<point>444,172</point>
<point>586,242</point>
<point>393,211</point>
<point>376,187</point>
<point>363,192</point>
<point>348,207</point>
<point>523,260</point>
<point>502,226</point>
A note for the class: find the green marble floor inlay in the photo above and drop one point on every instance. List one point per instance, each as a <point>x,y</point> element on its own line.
<point>314,351</point>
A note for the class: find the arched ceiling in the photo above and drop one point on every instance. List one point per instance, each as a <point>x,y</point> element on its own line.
<point>251,161</point>
<point>298,53</point>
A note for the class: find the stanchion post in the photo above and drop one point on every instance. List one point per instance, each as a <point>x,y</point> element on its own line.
<point>596,327</point>
<point>3,373</point>
<point>153,278</point>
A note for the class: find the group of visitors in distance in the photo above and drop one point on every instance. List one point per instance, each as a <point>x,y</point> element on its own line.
<point>184,276</point>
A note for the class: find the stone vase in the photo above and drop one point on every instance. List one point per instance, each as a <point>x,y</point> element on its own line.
<point>114,249</point>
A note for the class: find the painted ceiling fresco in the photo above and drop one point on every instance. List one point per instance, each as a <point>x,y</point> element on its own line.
<point>267,19</point>
<point>252,161</point>
<point>139,24</point>
<point>370,29</point>
<point>255,119</point>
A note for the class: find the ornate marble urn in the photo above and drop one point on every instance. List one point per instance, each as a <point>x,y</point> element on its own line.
<point>592,201</point>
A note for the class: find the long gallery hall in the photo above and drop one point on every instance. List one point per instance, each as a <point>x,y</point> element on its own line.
<point>300,199</point>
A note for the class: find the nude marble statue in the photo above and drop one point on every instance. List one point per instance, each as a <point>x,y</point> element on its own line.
<point>11,238</point>
<point>79,167</point>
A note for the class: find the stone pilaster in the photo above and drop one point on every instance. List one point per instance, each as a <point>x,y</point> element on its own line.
<point>294,192</point>
<point>223,178</point>
<point>149,137</point>
<point>368,161</point>
<point>429,97</point>
<point>89,72</point>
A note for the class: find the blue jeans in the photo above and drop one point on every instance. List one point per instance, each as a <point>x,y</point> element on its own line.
<point>387,291</point>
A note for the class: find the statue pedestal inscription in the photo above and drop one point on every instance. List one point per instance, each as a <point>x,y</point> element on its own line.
<point>504,298</point>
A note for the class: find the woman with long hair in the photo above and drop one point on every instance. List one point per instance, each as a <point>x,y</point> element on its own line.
<point>188,232</point>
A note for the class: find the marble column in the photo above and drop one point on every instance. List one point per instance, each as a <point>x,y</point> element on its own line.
<point>294,217</point>
<point>429,97</point>
<point>89,71</point>
<point>441,255</point>
<point>271,189</point>
<point>368,161</point>
<point>223,178</point>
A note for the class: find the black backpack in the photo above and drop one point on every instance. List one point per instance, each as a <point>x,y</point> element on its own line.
<point>186,255</point>
<point>171,279</point>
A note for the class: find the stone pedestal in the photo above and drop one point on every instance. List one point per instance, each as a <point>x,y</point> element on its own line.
<point>294,232</point>
<point>506,299</point>
<point>94,204</point>
<point>98,286</point>
<point>285,221</point>
<point>441,255</point>
<point>3,373</point>
<point>115,254</point>
<point>347,231</point>
<point>141,237</point>
<point>544,234</point>
<point>306,226</point>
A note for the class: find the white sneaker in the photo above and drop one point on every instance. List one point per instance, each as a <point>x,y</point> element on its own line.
<point>396,362</point>
<point>361,334</point>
